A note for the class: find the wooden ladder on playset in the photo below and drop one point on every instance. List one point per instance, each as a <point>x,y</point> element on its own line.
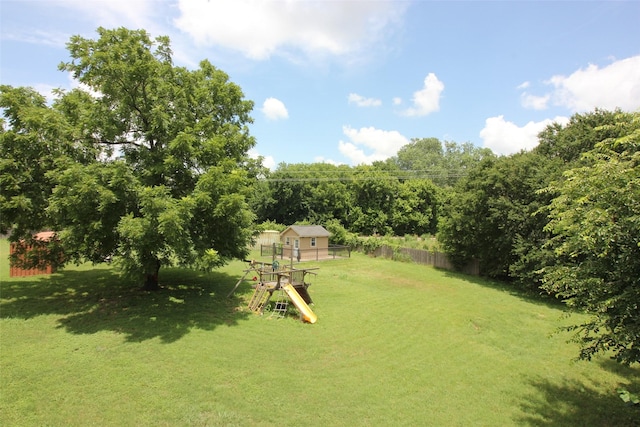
<point>260,297</point>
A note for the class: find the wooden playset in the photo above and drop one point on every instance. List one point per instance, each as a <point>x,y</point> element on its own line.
<point>286,283</point>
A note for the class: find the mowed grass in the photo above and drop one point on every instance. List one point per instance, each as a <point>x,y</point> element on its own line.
<point>395,344</point>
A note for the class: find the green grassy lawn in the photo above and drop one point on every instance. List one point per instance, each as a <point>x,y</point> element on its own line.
<point>395,344</point>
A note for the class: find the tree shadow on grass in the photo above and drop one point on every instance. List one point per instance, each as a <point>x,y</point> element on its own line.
<point>510,288</point>
<point>580,403</point>
<point>99,300</point>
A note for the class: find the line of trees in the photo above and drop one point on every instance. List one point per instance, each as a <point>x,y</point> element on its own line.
<point>401,196</point>
<point>562,219</point>
<point>150,168</point>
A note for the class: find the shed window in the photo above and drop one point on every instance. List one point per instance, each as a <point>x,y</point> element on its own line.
<point>313,242</point>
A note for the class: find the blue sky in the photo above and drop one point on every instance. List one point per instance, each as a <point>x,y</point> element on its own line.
<point>351,82</point>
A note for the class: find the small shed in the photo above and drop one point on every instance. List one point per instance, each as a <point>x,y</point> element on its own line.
<point>20,249</point>
<point>305,242</point>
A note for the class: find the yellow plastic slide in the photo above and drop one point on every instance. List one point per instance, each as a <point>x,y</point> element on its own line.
<point>307,314</point>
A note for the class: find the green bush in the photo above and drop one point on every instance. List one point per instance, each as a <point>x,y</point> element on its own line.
<point>340,235</point>
<point>270,225</point>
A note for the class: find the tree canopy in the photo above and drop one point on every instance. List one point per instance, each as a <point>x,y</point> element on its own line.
<point>492,211</point>
<point>366,199</point>
<point>595,220</point>
<point>562,219</point>
<point>495,212</point>
<point>150,168</point>
<point>445,163</point>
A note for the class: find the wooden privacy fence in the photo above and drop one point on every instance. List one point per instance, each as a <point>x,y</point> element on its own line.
<point>420,256</point>
<point>267,237</point>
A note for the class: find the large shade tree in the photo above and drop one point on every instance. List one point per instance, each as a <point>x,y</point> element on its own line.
<point>168,171</point>
<point>595,219</point>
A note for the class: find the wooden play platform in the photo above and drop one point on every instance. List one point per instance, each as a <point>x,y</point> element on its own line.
<point>288,283</point>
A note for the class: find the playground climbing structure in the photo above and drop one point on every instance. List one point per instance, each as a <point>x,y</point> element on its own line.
<point>270,279</point>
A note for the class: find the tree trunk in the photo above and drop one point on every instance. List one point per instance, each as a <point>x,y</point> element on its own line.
<point>151,279</point>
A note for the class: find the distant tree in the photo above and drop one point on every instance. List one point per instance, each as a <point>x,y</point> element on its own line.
<point>496,213</point>
<point>378,198</point>
<point>492,210</point>
<point>329,195</point>
<point>595,219</point>
<point>416,208</point>
<point>460,158</point>
<point>568,142</point>
<point>443,163</point>
<point>424,154</point>
<point>374,190</point>
<point>315,192</point>
<point>176,193</point>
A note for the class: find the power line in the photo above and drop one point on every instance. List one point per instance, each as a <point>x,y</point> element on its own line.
<point>362,178</point>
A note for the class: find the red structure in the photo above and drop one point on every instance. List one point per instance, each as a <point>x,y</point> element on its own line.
<point>41,240</point>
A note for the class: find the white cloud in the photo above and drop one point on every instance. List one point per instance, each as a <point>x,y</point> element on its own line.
<point>380,144</point>
<point>49,91</point>
<point>76,84</point>
<point>524,85</point>
<point>267,161</point>
<point>87,15</point>
<point>321,159</point>
<point>504,137</point>
<point>112,14</point>
<point>427,99</point>
<point>397,100</point>
<point>361,101</point>
<point>259,29</point>
<point>46,90</point>
<point>54,39</point>
<point>535,102</point>
<point>614,86</point>
<point>274,109</point>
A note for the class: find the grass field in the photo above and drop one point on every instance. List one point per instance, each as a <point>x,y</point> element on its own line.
<point>395,344</point>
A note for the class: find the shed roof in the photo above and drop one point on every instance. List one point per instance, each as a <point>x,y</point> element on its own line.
<point>308,230</point>
<point>44,236</point>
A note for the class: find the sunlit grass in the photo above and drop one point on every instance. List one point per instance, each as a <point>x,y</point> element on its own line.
<point>395,344</point>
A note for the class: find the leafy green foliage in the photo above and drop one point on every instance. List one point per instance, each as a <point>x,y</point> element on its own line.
<point>340,235</point>
<point>497,212</point>
<point>416,206</point>
<point>443,163</point>
<point>86,206</point>
<point>596,222</point>
<point>270,225</point>
<point>176,193</point>
<point>34,140</point>
<point>492,210</point>
<point>373,199</point>
<point>567,143</point>
<point>628,397</point>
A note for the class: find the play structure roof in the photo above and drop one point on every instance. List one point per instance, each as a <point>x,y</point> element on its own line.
<point>308,230</point>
